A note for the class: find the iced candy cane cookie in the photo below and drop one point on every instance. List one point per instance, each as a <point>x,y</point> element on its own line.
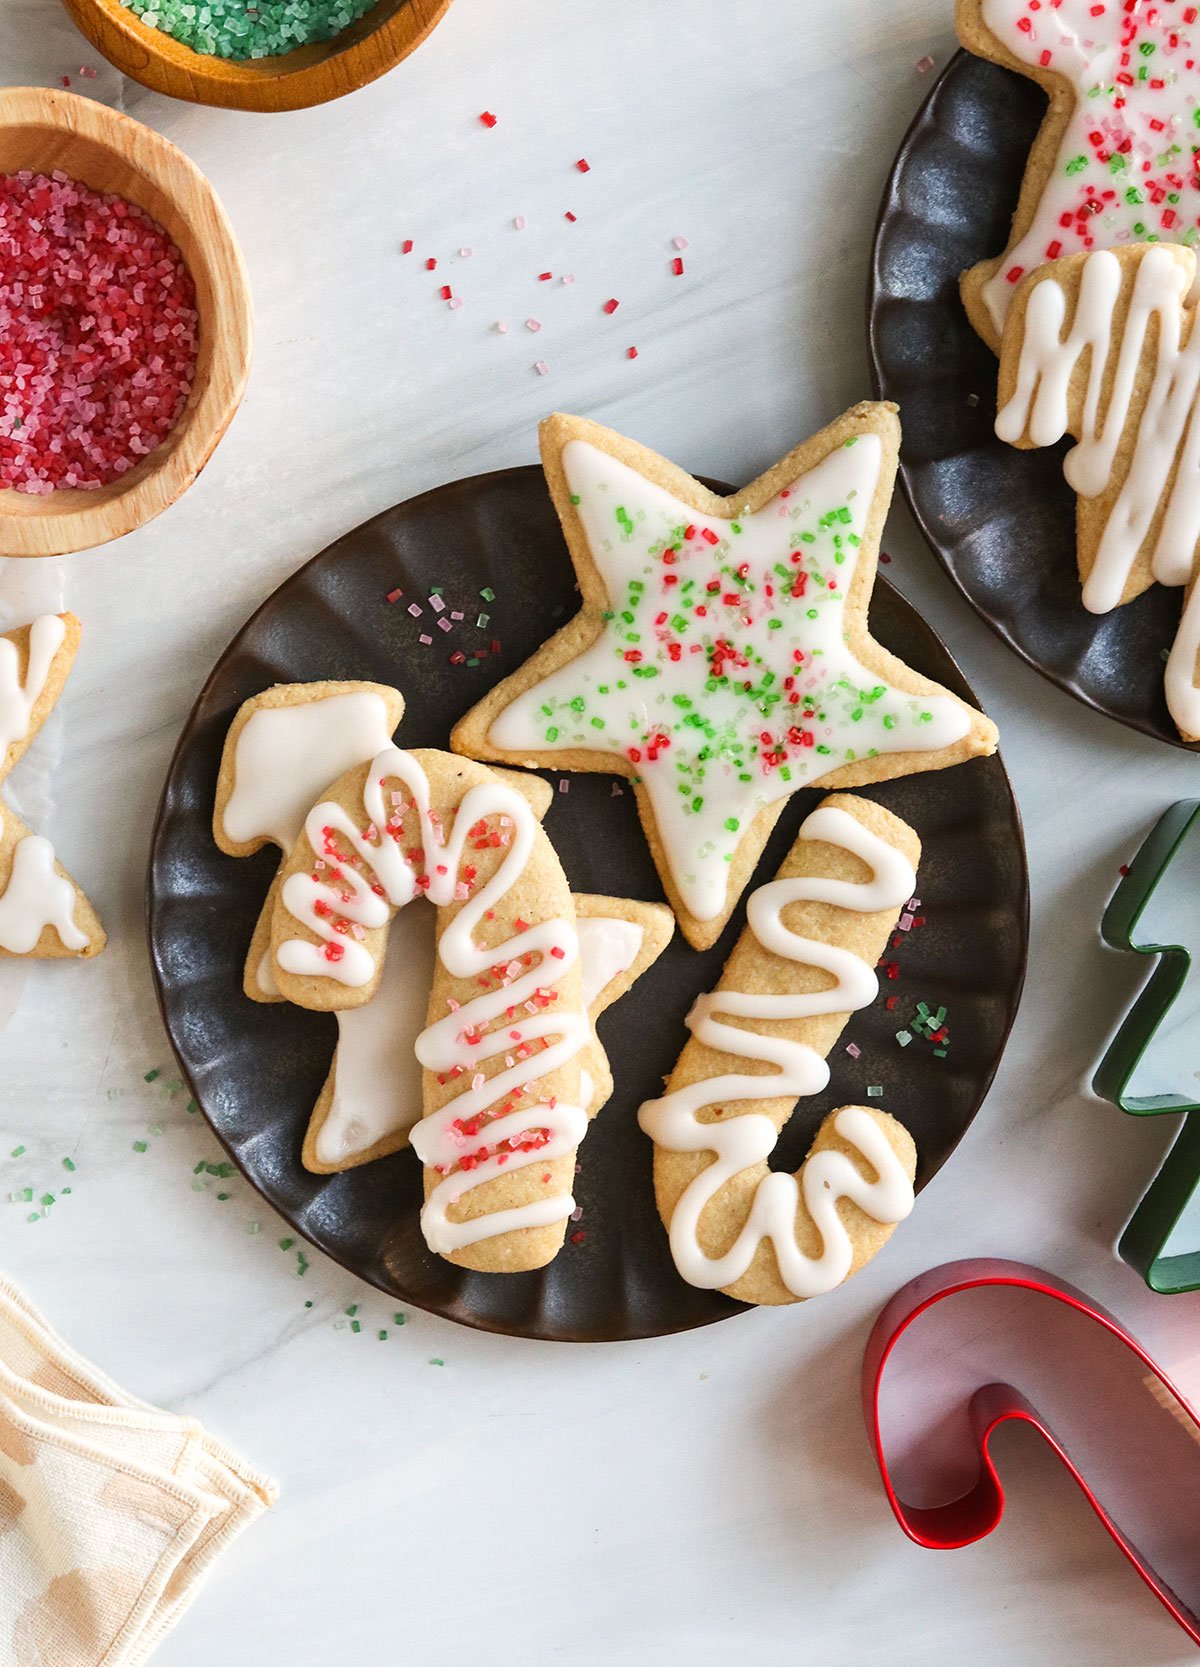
<point>1104,346</point>
<point>283,749</point>
<point>43,913</point>
<point>721,658</point>
<point>803,964</point>
<point>372,1096</point>
<point>1114,162</point>
<point>503,1093</point>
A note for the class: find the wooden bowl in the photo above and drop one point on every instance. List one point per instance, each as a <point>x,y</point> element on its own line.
<point>292,81</point>
<point>46,130</point>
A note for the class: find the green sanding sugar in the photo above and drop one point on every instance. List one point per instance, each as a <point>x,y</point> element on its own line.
<point>235,29</point>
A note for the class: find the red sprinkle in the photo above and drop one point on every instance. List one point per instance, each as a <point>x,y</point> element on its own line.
<point>431,264</point>
<point>584,165</point>
<point>631,352</point>
<point>394,595</point>
<point>488,119</point>
<point>677,267</point>
<point>98,334</point>
<point>611,305</point>
<point>545,277</point>
<point>406,248</point>
<point>569,216</point>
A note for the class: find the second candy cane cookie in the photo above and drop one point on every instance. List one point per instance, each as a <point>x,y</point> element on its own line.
<point>804,962</point>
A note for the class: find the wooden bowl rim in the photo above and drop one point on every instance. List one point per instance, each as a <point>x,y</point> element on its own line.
<point>166,65</point>
<point>48,531</point>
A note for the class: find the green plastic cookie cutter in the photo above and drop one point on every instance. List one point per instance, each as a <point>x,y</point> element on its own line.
<point>1144,1241</point>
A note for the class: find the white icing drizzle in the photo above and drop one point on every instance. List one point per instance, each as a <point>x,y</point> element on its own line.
<point>377,1087</point>
<point>460,1043</point>
<point>36,896</point>
<point>18,698</point>
<point>287,755</point>
<point>1167,434</point>
<point>740,1142</point>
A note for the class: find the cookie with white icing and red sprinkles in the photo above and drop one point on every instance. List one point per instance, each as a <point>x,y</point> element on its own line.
<point>1115,161</point>
<point>721,659</point>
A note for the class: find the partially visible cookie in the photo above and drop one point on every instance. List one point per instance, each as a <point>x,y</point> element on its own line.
<point>1113,161</point>
<point>43,913</point>
<point>804,962</point>
<point>284,747</point>
<point>721,658</point>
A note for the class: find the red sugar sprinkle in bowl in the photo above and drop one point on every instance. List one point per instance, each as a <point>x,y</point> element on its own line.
<point>175,295</point>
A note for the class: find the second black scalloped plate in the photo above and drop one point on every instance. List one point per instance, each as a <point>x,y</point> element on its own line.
<point>256,1070</point>
<point>1001,521</point>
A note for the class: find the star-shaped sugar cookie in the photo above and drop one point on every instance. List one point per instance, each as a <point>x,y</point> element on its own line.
<point>721,659</point>
<point>1115,159</point>
<point>43,913</point>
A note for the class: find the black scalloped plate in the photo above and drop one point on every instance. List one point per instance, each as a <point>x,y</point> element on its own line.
<point>1000,521</point>
<point>256,1070</point>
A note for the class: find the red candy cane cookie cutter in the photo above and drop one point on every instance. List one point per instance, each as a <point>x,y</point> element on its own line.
<point>968,1347</point>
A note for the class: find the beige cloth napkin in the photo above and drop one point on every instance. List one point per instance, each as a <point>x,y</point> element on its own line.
<point>111,1512</point>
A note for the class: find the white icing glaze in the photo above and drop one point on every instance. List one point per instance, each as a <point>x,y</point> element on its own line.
<point>1123,172</point>
<point>287,755</point>
<point>739,1142</point>
<point>35,897</point>
<point>460,1043</point>
<point>608,946</point>
<point>724,700</point>
<point>376,1080</point>
<point>18,698</point>
<point>1166,452</point>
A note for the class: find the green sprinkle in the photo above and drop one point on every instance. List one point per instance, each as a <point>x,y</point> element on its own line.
<point>68,1165</point>
<point>875,1092</point>
<point>904,1037</point>
<point>223,1197</point>
<point>47,1200</point>
<point>398,1319</point>
<point>356,1325</point>
<point>27,1195</point>
<point>383,1336</point>
<point>732,824</point>
<point>488,594</point>
<point>436,1362</point>
<point>286,1244</point>
<point>352,1310</point>
<point>482,620</point>
<point>17,1152</point>
<point>152,1076</point>
<point>140,1146</point>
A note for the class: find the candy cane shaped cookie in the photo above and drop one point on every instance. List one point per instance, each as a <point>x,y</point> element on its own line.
<point>503,1111</point>
<point>283,749</point>
<point>372,1096</point>
<point>804,962</point>
<point>43,913</point>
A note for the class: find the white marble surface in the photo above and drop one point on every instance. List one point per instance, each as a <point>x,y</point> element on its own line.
<point>705,1498</point>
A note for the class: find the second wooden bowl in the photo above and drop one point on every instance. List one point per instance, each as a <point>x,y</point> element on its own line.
<point>46,130</point>
<point>293,81</point>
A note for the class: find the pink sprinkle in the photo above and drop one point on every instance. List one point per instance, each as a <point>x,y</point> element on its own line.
<point>466,253</point>
<point>519,223</point>
<point>584,165</point>
<point>414,609</point>
<point>567,278</point>
<point>436,603</point>
<point>611,305</point>
<point>455,614</point>
<point>618,792</point>
<point>542,368</point>
<point>454,303</point>
<point>424,640</point>
<point>564,785</point>
<point>631,353</point>
<point>394,595</point>
<point>445,625</point>
<point>924,65</point>
<point>533,323</point>
<point>501,327</point>
<point>853,1049</point>
<point>677,267</point>
<point>679,243</point>
<point>487,119</point>
<point>99,335</point>
<point>87,73</point>
<point>905,923</point>
<point>406,248</point>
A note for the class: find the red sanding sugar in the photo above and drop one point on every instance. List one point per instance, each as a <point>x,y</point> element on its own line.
<point>98,330</point>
